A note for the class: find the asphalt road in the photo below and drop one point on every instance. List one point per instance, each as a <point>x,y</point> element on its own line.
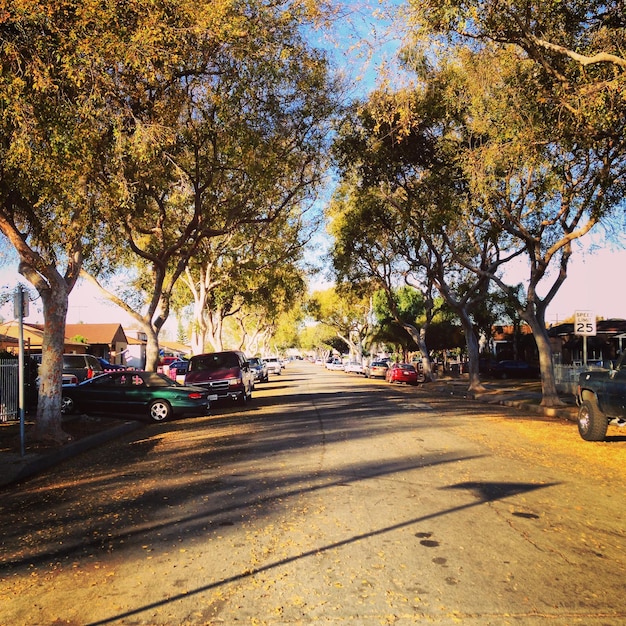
<point>329,500</point>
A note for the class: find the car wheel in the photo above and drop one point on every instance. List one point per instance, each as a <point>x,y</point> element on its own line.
<point>592,424</point>
<point>160,410</point>
<point>67,405</point>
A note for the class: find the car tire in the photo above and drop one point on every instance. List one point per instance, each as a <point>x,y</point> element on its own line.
<point>592,424</point>
<point>160,410</point>
<point>68,406</point>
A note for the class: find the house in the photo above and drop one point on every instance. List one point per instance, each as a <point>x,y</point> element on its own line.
<point>515,342</point>
<point>33,339</point>
<point>107,341</point>
<point>135,353</point>
<point>175,348</point>
<point>608,342</point>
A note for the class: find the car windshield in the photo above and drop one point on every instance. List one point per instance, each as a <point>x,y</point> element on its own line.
<point>73,362</point>
<point>213,362</point>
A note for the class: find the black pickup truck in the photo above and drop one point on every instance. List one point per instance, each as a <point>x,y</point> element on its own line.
<point>601,397</point>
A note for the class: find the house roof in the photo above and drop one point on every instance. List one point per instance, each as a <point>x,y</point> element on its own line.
<point>97,333</point>
<point>32,333</point>
<point>175,346</point>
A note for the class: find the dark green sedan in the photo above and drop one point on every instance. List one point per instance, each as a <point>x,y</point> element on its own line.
<point>136,393</point>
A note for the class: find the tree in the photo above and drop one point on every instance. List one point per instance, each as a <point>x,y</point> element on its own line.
<point>256,266</point>
<point>320,339</point>
<point>346,313</point>
<point>563,38</point>
<point>483,173</point>
<point>537,181</point>
<point>400,210</point>
<point>245,146</point>
<point>56,134</point>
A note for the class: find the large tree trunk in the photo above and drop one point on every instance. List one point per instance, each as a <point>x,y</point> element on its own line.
<point>214,331</point>
<point>152,347</point>
<point>550,394</point>
<point>48,425</point>
<point>473,351</point>
<point>198,329</point>
<point>419,337</point>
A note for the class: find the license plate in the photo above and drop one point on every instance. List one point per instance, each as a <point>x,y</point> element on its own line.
<point>213,397</point>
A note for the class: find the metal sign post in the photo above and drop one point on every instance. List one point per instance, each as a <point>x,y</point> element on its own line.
<point>20,306</point>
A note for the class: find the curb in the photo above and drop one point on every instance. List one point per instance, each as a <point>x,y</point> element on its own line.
<point>44,462</point>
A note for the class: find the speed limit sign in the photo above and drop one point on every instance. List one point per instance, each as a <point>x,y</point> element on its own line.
<point>585,323</point>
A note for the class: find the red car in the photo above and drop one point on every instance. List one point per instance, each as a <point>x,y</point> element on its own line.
<point>401,373</point>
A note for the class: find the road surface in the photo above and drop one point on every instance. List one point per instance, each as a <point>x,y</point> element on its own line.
<point>330,500</point>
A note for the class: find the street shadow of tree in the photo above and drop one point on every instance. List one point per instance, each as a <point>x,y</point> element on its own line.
<point>192,476</point>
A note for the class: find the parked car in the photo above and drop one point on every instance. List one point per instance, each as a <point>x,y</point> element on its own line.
<point>514,369</point>
<point>376,369</point>
<point>353,367</point>
<point>68,377</point>
<point>168,360</point>
<point>273,365</point>
<point>178,370</point>
<point>334,364</point>
<point>109,367</point>
<point>135,392</point>
<point>259,367</point>
<point>226,374</point>
<point>401,373</point>
<point>82,366</point>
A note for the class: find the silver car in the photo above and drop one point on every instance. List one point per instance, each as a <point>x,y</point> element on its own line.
<point>273,365</point>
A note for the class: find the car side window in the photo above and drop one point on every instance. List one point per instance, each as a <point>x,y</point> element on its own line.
<point>105,381</point>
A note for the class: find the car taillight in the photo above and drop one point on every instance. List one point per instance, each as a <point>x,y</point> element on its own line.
<point>195,396</point>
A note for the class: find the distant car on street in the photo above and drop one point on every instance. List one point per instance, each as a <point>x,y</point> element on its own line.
<point>109,367</point>
<point>334,364</point>
<point>135,392</point>
<point>377,369</point>
<point>178,369</point>
<point>273,365</point>
<point>401,373</point>
<point>261,372</point>
<point>353,367</point>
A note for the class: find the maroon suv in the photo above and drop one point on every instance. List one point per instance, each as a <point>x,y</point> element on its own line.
<point>226,375</point>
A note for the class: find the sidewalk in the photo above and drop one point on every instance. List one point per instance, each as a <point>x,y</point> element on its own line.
<point>524,395</point>
<point>89,432</point>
